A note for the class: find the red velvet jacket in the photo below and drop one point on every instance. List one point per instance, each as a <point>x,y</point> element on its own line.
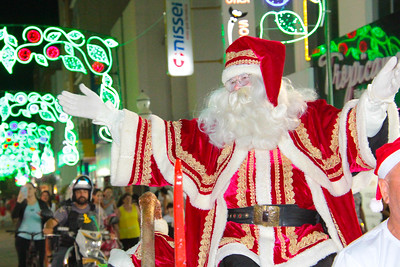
<point>311,167</point>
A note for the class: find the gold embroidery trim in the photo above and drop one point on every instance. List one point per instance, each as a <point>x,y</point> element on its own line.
<point>139,152</point>
<point>193,163</point>
<point>243,61</point>
<point>241,187</point>
<point>277,176</point>
<point>243,53</point>
<point>306,241</point>
<point>247,240</point>
<point>353,133</point>
<point>205,238</point>
<point>252,157</point>
<point>288,180</point>
<point>330,162</point>
<point>146,176</point>
<point>339,232</point>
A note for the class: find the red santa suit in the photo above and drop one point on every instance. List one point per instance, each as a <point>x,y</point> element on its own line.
<point>310,167</point>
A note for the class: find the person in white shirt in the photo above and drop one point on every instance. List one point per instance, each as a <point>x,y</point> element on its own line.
<point>380,246</point>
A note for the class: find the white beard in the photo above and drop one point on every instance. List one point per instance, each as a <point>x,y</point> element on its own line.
<point>246,117</point>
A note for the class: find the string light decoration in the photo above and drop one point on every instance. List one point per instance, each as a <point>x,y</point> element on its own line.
<point>368,40</point>
<point>25,146</point>
<point>291,23</point>
<point>72,48</point>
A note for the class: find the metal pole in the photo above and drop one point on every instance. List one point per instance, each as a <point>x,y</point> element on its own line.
<point>328,54</point>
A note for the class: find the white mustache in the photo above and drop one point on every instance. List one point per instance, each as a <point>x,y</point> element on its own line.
<point>240,97</point>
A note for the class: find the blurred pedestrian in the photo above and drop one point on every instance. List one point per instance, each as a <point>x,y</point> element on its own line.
<point>97,200</point>
<point>169,218</point>
<point>30,215</point>
<point>3,212</point>
<point>108,201</point>
<point>129,221</point>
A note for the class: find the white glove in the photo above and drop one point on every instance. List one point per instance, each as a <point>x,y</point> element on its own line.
<point>386,84</point>
<point>90,106</point>
<point>381,92</point>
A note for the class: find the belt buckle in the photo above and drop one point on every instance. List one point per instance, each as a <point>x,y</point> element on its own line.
<point>266,215</point>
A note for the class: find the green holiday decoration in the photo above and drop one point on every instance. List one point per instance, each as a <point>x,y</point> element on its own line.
<point>71,47</point>
<point>25,146</point>
<point>369,40</point>
<point>292,24</point>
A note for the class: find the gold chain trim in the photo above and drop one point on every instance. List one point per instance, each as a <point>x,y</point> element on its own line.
<point>277,176</point>
<point>339,232</point>
<point>205,238</point>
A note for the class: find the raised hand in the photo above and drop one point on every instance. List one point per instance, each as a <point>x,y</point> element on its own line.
<point>89,105</point>
<point>386,84</point>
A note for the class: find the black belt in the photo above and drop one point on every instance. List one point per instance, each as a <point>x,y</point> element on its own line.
<point>274,215</point>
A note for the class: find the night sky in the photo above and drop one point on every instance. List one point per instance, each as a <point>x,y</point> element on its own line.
<point>24,12</point>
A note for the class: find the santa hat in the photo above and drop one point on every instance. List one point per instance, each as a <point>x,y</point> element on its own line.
<point>387,156</point>
<point>254,56</point>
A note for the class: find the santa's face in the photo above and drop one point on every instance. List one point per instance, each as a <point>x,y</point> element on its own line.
<point>241,113</point>
<point>238,82</point>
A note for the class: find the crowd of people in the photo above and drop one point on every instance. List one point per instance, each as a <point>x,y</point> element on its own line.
<point>116,211</point>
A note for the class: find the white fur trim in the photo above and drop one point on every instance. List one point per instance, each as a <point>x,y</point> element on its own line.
<point>263,177</point>
<point>120,258</point>
<point>310,256</point>
<point>266,243</point>
<point>221,215</point>
<point>365,150</point>
<point>236,248</point>
<point>375,205</point>
<point>236,70</point>
<point>161,225</point>
<point>362,180</point>
<point>322,207</point>
<point>388,163</point>
<point>394,124</point>
<point>122,159</point>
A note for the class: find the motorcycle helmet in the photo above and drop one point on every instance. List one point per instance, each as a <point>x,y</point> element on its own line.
<point>82,182</point>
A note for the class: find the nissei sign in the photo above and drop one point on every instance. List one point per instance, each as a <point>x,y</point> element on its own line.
<point>179,38</point>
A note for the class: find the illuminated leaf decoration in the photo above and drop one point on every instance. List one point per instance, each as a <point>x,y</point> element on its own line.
<point>73,63</point>
<point>47,116</point>
<point>12,40</point>
<point>290,23</point>
<point>26,113</point>
<point>69,49</point>
<point>111,43</point>
<point>97,53</point>
<point>54,36</point>
<point>41,60</point>
<point>75,35</point>
<point>4,110</point>
<point>378,32</point>
<point>2,33</point>
<point>107,81</point>
<point>8,57</point>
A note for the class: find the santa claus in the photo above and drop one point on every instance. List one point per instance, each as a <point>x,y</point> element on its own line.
<point>267,168</point>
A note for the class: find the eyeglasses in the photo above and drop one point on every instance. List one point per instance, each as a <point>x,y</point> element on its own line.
<point>241,80</point>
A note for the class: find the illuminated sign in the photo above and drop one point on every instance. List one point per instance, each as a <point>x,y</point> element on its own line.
<point>238,19</point>
<point>358,56</point>
<point>179,38</point>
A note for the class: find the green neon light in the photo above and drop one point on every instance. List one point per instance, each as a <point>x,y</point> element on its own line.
<point>291,23</point>
<point>371,41</point>
<point>77,54</point>
<point>48,109</point>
